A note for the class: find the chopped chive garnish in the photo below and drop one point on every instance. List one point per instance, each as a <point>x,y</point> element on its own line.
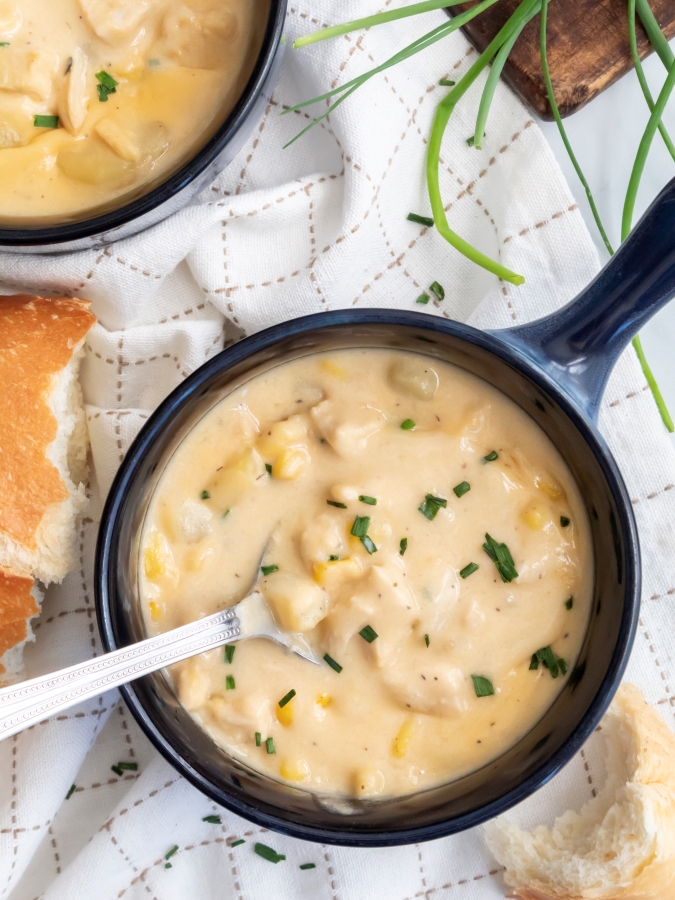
<point>229,683</point>
<point>206,495</point>
<point>268,853</point>
<point>462,488</point>
<point>482,686</point>
<point>71,791</point>
<point>128,766</point>
<point>168,866</point>
<point>333,557</point>
<point>407,425</point>
<point>403,546</point>
<point>368,544</point>
<point>421,220</point>
<point>269,745</point>
<point>287,698</point>
<point>371,501</point>
<point>229,652</point>
<point>212,820</point>
<point>426,639</point>
<point>4,43</point>
<point>546,657</point>
<point>331,662</point>
<point>430,506</point>
<point>445,82</point>
<point>470,140</point>
<point>226,513</point>
<point>336,504</point>
<point>117,771</point>
<point>437,290</point>
<point>564,521</point>
<point>569,603</point>
<point>46,121</point>
<point>501,557</point>
<point>562,665</point>
<point>423,299</point>
<point>258,739</point>
<point>107,85</point>
<point>490,457</point>
<point>237,843</point>
<point>308,866</point>
<point>171,852</point>
<point>468,570</point>
<point>268,467</point>
<point>368,634</point>
<point>269,570</point>
<point>360,526</point>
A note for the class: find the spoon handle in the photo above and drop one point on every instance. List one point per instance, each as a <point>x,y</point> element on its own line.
<point>31,701</point>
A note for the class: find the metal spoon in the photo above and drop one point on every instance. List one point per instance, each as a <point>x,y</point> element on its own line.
<point>32,701</point>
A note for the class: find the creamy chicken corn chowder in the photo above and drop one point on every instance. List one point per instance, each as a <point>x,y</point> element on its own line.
<point>100,97</point>
<point>418,529</point>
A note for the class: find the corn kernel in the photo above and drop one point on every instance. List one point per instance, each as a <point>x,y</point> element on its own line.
<point>534,517</point>
<point>295,770</point>
<point>550,488</point>
<point>155,610</point>
<point>399,746</point>
<point>285,714</point>
<point>324,700</point>
<point>291,463</point>
<point>281,435</point>
<point>154,563</point>
<point>332,572</point>
<point>332,368</point>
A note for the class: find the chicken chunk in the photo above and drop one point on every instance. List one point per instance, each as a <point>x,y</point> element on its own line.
<point>74,95</point>
<point>113,20</point>
<point>348,437</point>
<point>297,604</point>
<point>28,72</point>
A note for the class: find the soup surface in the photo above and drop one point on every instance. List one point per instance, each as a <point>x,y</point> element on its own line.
<point>100,97</point>
<point>418,529</point>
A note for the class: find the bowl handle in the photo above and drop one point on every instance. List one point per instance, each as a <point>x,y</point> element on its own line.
<point>580,343</point>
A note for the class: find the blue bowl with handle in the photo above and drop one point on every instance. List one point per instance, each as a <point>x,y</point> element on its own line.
<point>556,370</point>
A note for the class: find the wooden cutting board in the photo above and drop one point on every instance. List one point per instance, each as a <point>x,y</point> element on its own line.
<point>588,48</point>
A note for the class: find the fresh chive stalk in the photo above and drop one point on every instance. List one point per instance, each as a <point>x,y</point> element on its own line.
<point>331,662</point>
<point>407,425</point>
<point>426,639</point>
<point>269,746</point>
<point>423,299</point>
<point>128,766</point>
<point>229,683</point>
<point>368,543</point>
<point>46,121</point>
<point>308,866</point>
<point>71,791</point>
<point>212,820</point>
<point>420,220</point>
<point>462,488</point>
<point>431,505</point>
<point>490,457</point>
<point>229,653</point>
<point>368,634</point>
<point>268,853</point>
<point>403,546</point>
<point>370,501</point>
<point>238,842</point>
<point>269,570</point>
<point>501,557</point>
<point>258,739</point>
<point>468,570</point>
<point>336,504</point>
<point>287,698</point>
<point>437,290</point>
<point>360,526</point>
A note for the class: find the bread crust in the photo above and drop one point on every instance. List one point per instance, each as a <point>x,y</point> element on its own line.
<point>38,336</point>
<point>634,815</point>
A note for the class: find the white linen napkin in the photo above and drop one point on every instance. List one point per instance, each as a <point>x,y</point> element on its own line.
<point>319,226</point>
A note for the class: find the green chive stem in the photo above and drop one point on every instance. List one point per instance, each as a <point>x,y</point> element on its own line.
<point>640,72</point>
<point>656,37</point>
<point>287,698</point>
<point>561,128</point>
<point>392,15</point>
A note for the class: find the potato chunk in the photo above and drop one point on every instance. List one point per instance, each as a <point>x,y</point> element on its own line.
<point>321,539</point>
<point>28,72</point>
<point>193,521</point>
<point>115,19</point>
<point>438,689</point>
<point>95,163</point>
<point>118,139</point>
<point>296,603</point>
<point>275,439</point>
<point>197,33</point>
<point>291,463</point>
<point>10,19</point>
<point>367,782</point>
<point>348,437</point>
<point>413,375</point>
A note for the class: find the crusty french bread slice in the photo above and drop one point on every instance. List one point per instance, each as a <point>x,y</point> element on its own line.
<point>621,845</point>
<point>20,600</point>
<point>43,434</point>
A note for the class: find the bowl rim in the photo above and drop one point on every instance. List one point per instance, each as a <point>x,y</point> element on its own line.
<point>513,355</point>
<point>185,175</point>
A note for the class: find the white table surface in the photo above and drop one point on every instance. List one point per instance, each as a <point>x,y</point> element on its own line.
<point>605,137</point>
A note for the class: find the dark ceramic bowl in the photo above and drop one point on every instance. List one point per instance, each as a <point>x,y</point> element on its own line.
<point>555,369</point>
<point>178,187</point>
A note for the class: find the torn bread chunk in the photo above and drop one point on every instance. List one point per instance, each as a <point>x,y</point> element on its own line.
<point>43,433</point>
<point>621,845</point>
<point>20,600</point>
